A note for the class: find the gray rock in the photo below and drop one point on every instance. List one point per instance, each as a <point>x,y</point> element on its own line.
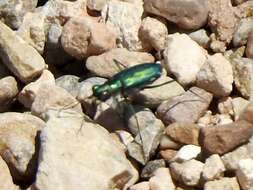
<point>188,107</point>
<point>201,37</point>
<point>186,14</point>
<point>70,83</point>
<point>22,59</point>
<point>151,166</point>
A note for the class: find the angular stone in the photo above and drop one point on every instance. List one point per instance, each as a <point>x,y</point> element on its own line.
<point>168,154</point>
<point>244,174</point>
<point>168,143</point>
<point>71,83</point>
<point>186,153</point>
<point>213,168</point>
<point>186,14</point>
<point>247,113</point>
<point>8,92</point>
<point>82,37</point>
<point>184,65</point>
<point>185,133</point>
<point>216,76</point>
<point>104,65</point>
<point>249,48</point>
<point>18,145</point>
<point>156,36</point>
<point>30,91</point>
<point>151,166</point>
<point>88,151</point>
<point>185,108</point>
<point>225,106</point>
<point>222,184</point>
<point>239,104</point>
<point>140,186</point>
<point>201,37</point>
<point>5,177</point>
<point>125,17</point>
<point>96,5</point>
<point>22,59</point>
<point>224,138</point>
<point>161,180</point>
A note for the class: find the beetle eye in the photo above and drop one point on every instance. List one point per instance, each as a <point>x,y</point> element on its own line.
<point>105,95</point>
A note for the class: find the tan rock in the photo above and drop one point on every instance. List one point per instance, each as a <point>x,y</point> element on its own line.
<point>222,184</point>
<point>222,139</point>
<point>29,92</point>
<point>18,133</point>
<point>168,154</point>
<point>244,174</point>
<point>22,59</point>
<point>96,4</point>
<point>5,177</point>
<point>249,48</point>
<point>140,186</point>
<point>161,180</point>
<point>247,113</point>
<point>8,92</point>
<point>168,143</point>
<point>185,133</point>
<point>239,105</point>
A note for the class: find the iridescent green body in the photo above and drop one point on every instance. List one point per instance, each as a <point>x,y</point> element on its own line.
<point>134,77</point>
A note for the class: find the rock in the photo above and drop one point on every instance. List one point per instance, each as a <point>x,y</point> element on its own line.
<point>70,144</point>
<point>242,31</point>
<point>167,143</point>
<point>185,108</point>
<point>71,83</point>
<point>147,130</point>
<point>5,177</point>
<point>104,65</point>
<point>32,30</point>
<point>225,106</point>
<point>232,159</point>
<point>30,91</point>
<point>188,15</point>
<point>244,174</point>
<point>185,133</point>
<point>18,145</point>
<point>246,114</point>
<point>239,104</point>
<point>188,172</point>
<point>161,180</point>
<point>224,138</point>
<point>140,186</point>
<point>96,5</point>
<point>213,168</point>
<point>168,154</point>
<point>184,65</point>
<point>44,102</point>
<point>249,48</point>
<point>222,184</point>
<point>222,20</point>
<point>8,92</point>
<point>83,37</point>
<point>125,137</point>
<point>156,36</point>
<point>201,37</point>
<point>24,61</point>
<point>243,70</point>
<point>186,153</point>
<point>12,12</point>
<point>216,76</point>
<point>151,166</point>
<point>125,17</point>
<point>158,91</point>
<point>206,119</point>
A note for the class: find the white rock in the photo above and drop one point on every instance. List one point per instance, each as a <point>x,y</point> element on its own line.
<point>222,184</point>
<point>188,173</point>
<point>161,180</point>
<point>225,106</point>
<point>140,186</point>
<point>213,168</point>
<point>244,174</point>
<point>216,75</point>
<point>183,64</point>
<point>239,104</point>
<point>96,4</point>
<point>186,153</point>
<point>126,18</point>
<point>76,154</point>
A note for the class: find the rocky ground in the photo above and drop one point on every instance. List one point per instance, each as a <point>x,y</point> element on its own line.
<point>193,132</point>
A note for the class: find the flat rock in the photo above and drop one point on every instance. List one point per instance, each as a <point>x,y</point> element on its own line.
<point>5,177</point>
<point>126,17</point>
<point>188,107</point>
<point>22,59</point>
<point>224,138</point>
<point>83,37</point>
<point>188,15</point>
<point>8,92</point>
<point>213,168</point>
<point>18,145</point>
<point>184,133</point>
<point>183,64</point>
<point>222,184</point>
<point>85,149</point>
<point>104,65</point>
<point>244,173</point>
<point>246,114</point>
<point>30,91</point>
<point>216,76</point>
